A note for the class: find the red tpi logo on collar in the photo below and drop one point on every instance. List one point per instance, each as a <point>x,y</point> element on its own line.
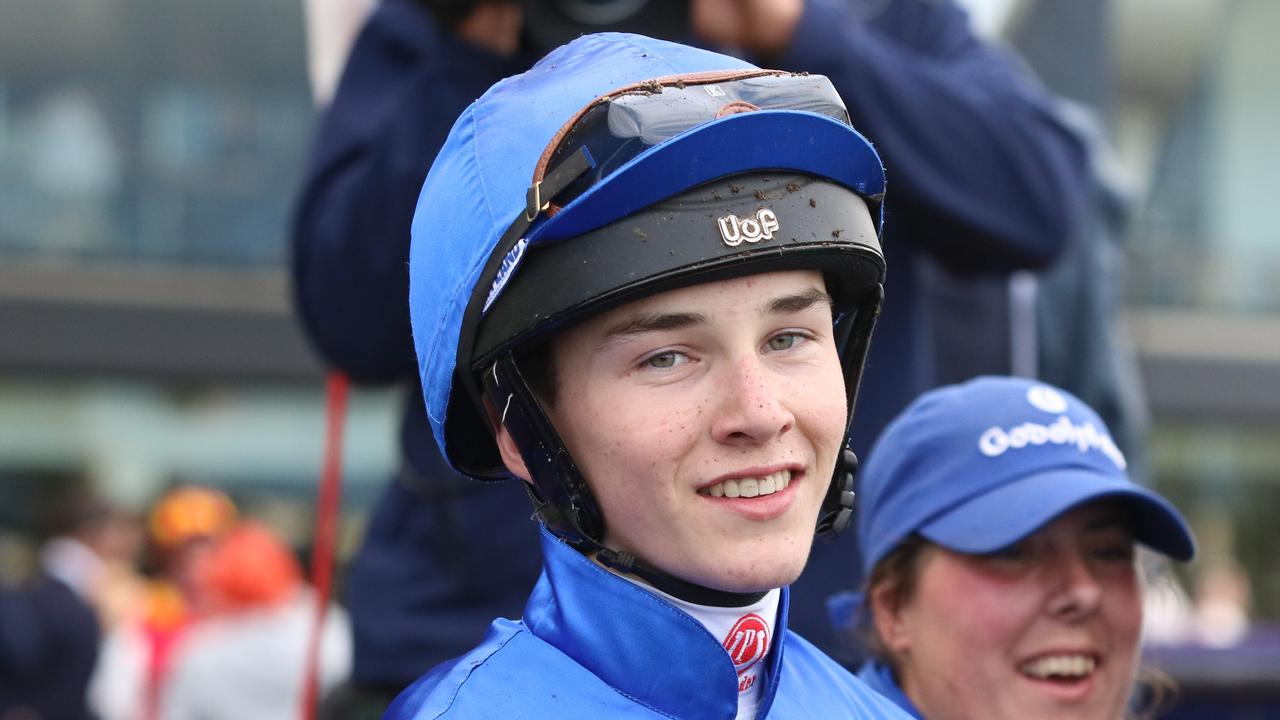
<point>747,641</point>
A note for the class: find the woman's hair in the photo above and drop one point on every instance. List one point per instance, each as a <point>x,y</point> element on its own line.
<point>897,572</point>
<point>1154,694</point>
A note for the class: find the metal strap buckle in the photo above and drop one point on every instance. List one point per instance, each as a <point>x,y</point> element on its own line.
<point>533,202</point>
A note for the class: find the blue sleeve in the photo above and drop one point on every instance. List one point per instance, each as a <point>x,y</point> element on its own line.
<point>980,171</point>
<point>404,85</point>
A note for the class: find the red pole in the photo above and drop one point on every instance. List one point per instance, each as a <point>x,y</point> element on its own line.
<point>322,554</point>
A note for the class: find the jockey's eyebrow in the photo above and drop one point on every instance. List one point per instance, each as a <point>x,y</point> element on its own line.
<point>798,302</point>
<point>651,322</point>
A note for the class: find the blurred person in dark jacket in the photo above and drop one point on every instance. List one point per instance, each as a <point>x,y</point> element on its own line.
<point>984,178</point>
<point>50,629</point>
<point>48,646</point>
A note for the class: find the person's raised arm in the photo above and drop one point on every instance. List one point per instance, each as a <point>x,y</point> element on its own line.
<point>980,170</point>
<point>403,86</point>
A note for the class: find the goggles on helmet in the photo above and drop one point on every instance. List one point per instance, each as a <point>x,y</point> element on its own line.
<point>622,124</point>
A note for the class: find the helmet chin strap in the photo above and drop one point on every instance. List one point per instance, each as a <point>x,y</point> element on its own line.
<point>853,336</point>
<point>625,562</point>
<point>837,510</point>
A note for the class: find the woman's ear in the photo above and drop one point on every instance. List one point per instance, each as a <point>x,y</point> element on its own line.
<point>506,444</point>
<point>890,620</point>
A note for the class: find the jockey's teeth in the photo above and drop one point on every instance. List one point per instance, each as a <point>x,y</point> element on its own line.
<point>750,487</point>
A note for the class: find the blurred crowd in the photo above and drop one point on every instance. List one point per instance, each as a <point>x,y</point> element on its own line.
<point>190,611</point>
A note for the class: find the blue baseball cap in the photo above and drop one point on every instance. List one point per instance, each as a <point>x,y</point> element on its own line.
<point>979,466</point>
<point>489,168</point>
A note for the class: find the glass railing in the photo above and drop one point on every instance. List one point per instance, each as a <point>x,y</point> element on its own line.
<point>158,131</point>
<point>1206,238</point>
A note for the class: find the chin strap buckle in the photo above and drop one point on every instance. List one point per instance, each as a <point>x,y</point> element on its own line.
<point>619,560</point>
<point>838,515</point>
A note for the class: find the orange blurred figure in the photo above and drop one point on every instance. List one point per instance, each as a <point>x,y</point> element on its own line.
<point>245,657</point>
<point>250,567</point>
<point>181,529</point>
<point>190,513</point>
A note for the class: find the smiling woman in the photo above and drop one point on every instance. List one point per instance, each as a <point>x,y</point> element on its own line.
<point>1003,584</point>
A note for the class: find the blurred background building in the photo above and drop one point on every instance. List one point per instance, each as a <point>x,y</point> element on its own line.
<point>150,151</point>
